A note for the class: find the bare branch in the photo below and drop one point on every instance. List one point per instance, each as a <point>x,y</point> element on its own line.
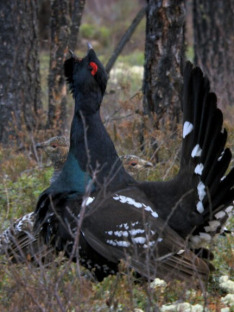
<point>125,39</point>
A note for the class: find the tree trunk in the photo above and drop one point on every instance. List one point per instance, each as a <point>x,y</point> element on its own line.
<point>214,45</point>
<point>164,55</point>
<point>77,8</point>
<point>60,30</point>
<point>64,27</point>
<point>19,76</point>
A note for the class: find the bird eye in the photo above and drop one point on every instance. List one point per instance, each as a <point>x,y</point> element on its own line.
<point>133,163</point>
<point>54,145</point>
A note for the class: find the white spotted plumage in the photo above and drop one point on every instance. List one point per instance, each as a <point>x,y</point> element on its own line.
<point>200,207</point>
<point>197,151</point>
<point>199,169</point>
<point>131,201</point>
<point>187,128</point>
<point>201,190</point>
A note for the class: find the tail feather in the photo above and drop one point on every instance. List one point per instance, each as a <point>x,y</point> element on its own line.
<point>205,159</point>
<point>211,146</point>
<point>212,166</point>
<point>218,171</point>
<point>225,191</point>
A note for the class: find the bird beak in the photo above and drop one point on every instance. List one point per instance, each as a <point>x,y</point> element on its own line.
<point>42,144</point>
<point>89,46</point>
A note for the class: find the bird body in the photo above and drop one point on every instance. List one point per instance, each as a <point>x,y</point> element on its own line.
<point>92,163</point>
<point>139,236</point>
<point>95,224</point>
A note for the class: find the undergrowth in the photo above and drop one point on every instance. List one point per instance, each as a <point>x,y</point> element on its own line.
<point>64,286</point>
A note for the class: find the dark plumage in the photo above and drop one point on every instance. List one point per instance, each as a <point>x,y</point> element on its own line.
<point>96,212</point>
<point>92,162</point>
<point>200,194</point>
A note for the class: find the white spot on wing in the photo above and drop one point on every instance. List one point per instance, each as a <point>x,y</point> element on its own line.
<point>124,225</point>
<point>187,128</point>
<point>118,243</point>
<point>87,201</point>
<point>136,231</point>
<point>197,151</point>
<point>128,200</point>
<point>131,201</point>
<point>199,169</point>
<point>122,243</point>
<point>139,240</point>
<point>111,242</point>
<point>121,233</point>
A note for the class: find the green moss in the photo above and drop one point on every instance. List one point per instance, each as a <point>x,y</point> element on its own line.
<point>91,32</point>
<point>20,196</point>
<point>87,31</point>
<point>135,58</point>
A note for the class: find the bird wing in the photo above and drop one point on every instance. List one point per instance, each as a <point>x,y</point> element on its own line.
<point>125,226</point>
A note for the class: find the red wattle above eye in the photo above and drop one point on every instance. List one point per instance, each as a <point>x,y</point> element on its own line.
<point>94,68</point>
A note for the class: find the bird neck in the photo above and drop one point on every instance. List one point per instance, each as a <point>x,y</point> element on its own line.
<point>72,178</point>
<point>95,151</point>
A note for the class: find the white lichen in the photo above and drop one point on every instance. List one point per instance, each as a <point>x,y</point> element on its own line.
<point>158,283</point>
<point>185,307</point>
<point>226,284</point>
<point>228,300</point>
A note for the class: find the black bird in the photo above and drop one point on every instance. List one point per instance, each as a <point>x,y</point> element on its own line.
<point>143,221</point>
<point>92,162</point>
<point>146,224</point>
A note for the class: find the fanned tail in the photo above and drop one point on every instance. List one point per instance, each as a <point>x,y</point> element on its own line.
<point>204,155</point>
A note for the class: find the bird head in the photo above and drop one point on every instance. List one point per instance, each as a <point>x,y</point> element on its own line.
<point>56,149</point>
<point>86,77</point>
<point>134,164</point>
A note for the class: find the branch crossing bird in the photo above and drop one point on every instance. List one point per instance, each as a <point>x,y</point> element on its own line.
<point>109,216</point>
